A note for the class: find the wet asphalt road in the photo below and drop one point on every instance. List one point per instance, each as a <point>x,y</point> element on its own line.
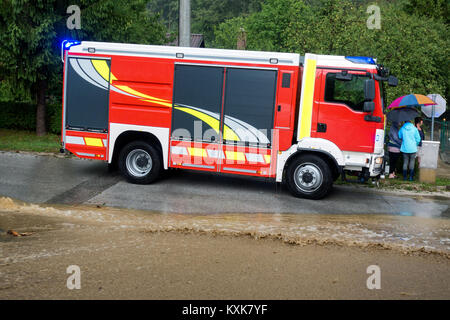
<point>47,179</point>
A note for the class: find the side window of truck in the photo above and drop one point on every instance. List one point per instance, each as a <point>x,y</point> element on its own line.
<point>348,92</point>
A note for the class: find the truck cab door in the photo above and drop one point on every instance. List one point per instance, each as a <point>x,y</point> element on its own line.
<point>340,117</point>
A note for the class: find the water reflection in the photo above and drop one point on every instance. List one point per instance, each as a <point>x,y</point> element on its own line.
<point>407,231</point>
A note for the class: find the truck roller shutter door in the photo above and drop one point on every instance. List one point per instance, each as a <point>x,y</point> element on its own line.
<point>87,94</point>
<point>249,105</point>
<point>197,101</point>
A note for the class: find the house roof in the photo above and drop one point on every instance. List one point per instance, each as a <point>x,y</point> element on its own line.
<point>197,41</point>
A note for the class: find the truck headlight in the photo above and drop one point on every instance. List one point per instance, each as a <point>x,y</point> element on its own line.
<point>379,160</point>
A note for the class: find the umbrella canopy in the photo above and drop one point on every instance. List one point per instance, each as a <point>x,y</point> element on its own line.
<point>411,100</point>
<point>403,114</point>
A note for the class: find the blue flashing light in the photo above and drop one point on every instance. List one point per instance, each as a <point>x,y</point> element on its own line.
<point>66,44</point>
<point>363,60</point>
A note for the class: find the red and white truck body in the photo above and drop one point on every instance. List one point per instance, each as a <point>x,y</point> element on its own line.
<point>230,111</point>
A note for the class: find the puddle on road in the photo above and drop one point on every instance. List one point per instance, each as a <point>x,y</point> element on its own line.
<point>398,232</point>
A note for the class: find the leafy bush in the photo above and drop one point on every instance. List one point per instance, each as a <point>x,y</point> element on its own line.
<point>22,116</point>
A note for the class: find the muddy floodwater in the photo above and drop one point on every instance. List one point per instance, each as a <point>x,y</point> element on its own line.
<point>424,232</point>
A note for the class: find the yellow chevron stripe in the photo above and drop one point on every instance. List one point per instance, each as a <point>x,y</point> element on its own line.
<point>197,152</point>
<point>139,94</point>
<point>166,104</point>
<point>232,155</point>
<point>94,142</point>
<point>103,69</point>
<point>212,122</point>
<point>228,134</point>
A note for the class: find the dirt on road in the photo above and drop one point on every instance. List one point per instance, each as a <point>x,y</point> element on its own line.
<point>136,255</point>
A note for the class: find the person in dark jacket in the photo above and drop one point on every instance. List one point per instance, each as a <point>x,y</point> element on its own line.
<point>394,145</point>
<point>410,139</point>
<point>419,122</point>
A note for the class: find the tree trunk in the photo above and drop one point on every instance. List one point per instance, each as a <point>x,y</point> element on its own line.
<point>40,111</point>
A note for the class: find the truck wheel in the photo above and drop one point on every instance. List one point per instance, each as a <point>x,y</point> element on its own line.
<point>309,177</point>
<point>140,163</point>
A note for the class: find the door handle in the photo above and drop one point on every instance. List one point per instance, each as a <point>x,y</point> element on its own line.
<point>371,118</point>
<point>279,108</point>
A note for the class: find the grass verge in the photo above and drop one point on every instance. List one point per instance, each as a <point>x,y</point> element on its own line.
<point>18,140</point>
<point>442,184</point>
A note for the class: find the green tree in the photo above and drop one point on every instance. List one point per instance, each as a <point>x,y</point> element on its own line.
<point>167,11</point>
<point>260,27</point>
<point>226,33</point>
<point>436,9</point>
<point>415,47</point>
<point>205,14</point>
<point>26,57</point>
<point>266,29</point>
<point>30,36</point>
<point>416,50</point>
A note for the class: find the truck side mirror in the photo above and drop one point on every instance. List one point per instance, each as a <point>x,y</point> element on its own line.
<point>369,90</point>
<point>392,81</point>
<point>369,106</point>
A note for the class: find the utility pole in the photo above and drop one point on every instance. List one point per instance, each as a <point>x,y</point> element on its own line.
<point>241,40</point>
<point>184,36</point>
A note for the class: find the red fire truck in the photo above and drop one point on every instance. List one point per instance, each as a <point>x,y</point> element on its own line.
<point>298,120</point>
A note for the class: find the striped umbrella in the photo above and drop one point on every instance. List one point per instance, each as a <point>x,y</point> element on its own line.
<point>411,100</point>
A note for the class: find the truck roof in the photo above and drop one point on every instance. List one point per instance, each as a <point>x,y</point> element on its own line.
<point>349,62</point>
<point>224,55</point>
<point>205,54</point>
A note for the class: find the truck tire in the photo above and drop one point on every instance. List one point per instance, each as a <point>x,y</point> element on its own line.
<point>140,163</point>
<point>309,176</point>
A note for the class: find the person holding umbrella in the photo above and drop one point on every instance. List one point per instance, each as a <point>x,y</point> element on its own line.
<point>393,147</point>
<point>396,116</point>
<point>404,109</point>
<point>418,121</point>
<point>410,140</point>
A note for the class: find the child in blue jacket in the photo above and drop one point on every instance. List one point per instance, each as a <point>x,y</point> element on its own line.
<point>410,139</point>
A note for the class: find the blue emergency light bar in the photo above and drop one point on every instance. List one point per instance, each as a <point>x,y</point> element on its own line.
<point>363,60</point>
<point>68,43</point>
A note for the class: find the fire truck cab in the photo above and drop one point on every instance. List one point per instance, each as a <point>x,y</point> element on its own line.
<point>298,120</point>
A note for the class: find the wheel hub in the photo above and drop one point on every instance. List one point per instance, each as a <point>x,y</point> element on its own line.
<point>308,177</point>
<point>142,161</point>
<point>139,163</point>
